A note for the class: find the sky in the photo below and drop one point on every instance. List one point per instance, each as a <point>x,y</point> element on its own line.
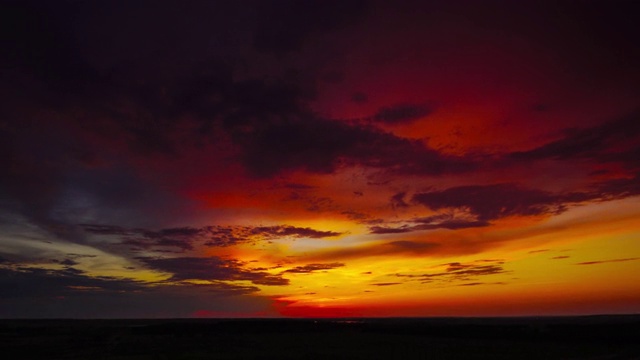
<point>349,158</point>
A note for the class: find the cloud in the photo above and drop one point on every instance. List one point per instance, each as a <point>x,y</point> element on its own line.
<point>179,238</point>
<point>386,284</point>
<point>456,271</point>
<point>227,91</point>
<point>292,231</point>
<point>388,230</point>
<point>68,262</point>
<point>616,188</point>
<point>491,202</point>
<point>306,269</point>
<point>305,142</point>
<point>28,292</point>
<point>397,200</point>
<point>30,282</point>
<point>537,251</point>
<point>359,97</point>
<point>412,245</point>
<point>560,257</point>
<point>610,141</point>
<point>267,125</point>
<point>401,113</point>
<point>297,186</point>
<point>211,269</point>
<point>133,118</point>
<point>482,283</point>
<point>30,47</point>
<point>441,221</point>
<point>597,262</point>
<point>58,161</point>
<point>185,238</point>
<point>285,26</point>
<point>359,217</point>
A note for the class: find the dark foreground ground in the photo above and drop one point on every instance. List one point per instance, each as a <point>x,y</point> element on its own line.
<point>597,337</point>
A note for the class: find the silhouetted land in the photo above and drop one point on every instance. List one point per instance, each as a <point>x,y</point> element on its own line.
<point>591,337</point>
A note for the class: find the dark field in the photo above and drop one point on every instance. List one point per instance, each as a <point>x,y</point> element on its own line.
<point>594,337</point>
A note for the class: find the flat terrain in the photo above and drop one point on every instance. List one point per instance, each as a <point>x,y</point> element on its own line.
<point>594,337</point>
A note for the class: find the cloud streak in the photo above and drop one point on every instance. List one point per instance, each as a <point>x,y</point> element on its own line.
<point>306,269</point>
<point>185,238</point>
<point>456,272</point>
<point>597,262</point>
<point>211,269</point>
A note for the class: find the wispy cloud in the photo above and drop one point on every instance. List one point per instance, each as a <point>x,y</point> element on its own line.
<point>456,272</point>
<point>211,269</point>
<point>306,269</point>
<point>597,262</point>
<point>184,238</point>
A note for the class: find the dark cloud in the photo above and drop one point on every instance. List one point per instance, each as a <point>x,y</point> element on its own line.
<point>497,261</point>
<point>211,269</point>
<point>482,283</point>
<point>80,256</point>
<point>616,188</point>
<point>322,146</point>
<point>313,145</point>
<point>313,203</point>
<point>184,238</point>
<point>606,261</point>
<point>481,204</point>
<point>22,282</point>
<point>333,77</point>
<point>180,238</point>
<point>265,122</point>
<point>490,202</point>
<point>608,142</point>
<point>284,26</point>
<point>539,107</point>
<point>39,41</point>
<point>360,217</point>
<point>292,231</point>
<point>442,221</point>
<point>455,224</point>
<point>388,230</point>
<point>413,245</point>
<point>108,230</point>
<point>297,186</point>
<point>456,271</point>
<point>401,113</point>
<point>42,293</point>
<point>224,236</point>
<point>560,257</point>
<point>108,114</point>
<point>359,97</point>
<point>397,200</point>
<point>134,111</point>
<point>47,185</point>
<point>386,284</point>
<point>313,267</point>
<point>474,270</point>
<point>381,249</point>
<point>68,262</point>
<point>538,251</point>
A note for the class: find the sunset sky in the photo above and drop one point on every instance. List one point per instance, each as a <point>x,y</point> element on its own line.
<point>319,158</point>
